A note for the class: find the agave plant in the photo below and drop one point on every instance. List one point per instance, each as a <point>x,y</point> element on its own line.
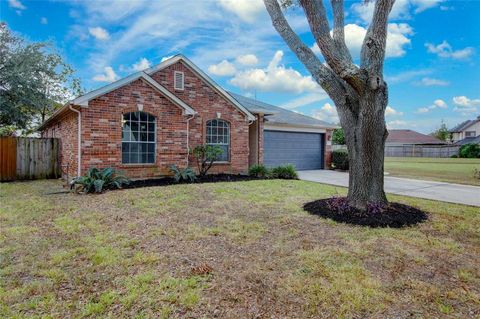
<point>96,180</point>
<point>183,174</point>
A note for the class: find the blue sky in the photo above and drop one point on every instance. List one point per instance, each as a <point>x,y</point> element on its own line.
<point>432,52</point>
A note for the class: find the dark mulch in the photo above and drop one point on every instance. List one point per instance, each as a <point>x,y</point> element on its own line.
<point>213,178</point>
<point>393,215</point>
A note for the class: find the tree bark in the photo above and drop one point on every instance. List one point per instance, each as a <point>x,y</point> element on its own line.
<point>359,93</point>
<point>365,135</point>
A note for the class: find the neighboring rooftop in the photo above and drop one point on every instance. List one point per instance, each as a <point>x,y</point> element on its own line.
<point>468,140</point>
<point>277,115</point>
<point>410,137</point>
<point>464,125</point>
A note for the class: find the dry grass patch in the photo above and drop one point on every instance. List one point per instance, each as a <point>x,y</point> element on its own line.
<point>227,250</point>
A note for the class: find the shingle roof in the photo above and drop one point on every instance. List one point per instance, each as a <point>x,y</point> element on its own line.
<point>469,140</point>
<point>278,115</point>
<point>462,126</point>
<point>410,137</point>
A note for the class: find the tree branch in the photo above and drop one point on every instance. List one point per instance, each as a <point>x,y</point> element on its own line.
<point>340,64</point>
<point>324,76</point>
<point>338,28</point>
<point>373,48</point>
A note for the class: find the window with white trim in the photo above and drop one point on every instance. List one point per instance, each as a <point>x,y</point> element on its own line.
<point>138,138</point>
<point>178,80</point>
<point>218,134</point>
<point>470,134</point>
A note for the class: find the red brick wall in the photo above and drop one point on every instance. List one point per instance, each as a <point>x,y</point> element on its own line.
<point>208,102</point>
<point>65,128</point>
<point>328,149</point>
<point>102,130</point>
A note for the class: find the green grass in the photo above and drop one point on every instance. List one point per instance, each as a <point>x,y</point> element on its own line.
<point>453,170</point>
<point>132,254</point>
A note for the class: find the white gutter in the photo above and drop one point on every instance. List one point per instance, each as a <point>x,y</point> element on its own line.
<point>79,140</point>
<point>188,138</point>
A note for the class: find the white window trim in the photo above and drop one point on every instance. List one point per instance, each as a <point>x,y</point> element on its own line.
<point>229,141</point>
<point>149,142</point>
<point>175,80</point>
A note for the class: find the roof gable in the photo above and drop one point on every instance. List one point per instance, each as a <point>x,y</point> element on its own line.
<point>204,77</point>
<point>84,99</point>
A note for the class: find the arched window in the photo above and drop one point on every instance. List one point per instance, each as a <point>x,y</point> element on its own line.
<point>218,133</point>
<point>138,138</point>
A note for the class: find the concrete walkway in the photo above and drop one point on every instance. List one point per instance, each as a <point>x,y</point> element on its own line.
<point>446,192</point>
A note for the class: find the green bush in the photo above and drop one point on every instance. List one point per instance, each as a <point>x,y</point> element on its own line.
<point>258,170</point>
<point>470,151</point>
<point>183,174</point>
<point>340,159</point>
<point>454,156</point>
<point>205,156</point>
<point>284,172</point>
<point>96,181</point>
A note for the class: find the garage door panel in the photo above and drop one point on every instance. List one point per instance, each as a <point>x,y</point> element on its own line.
<point>304,150</point>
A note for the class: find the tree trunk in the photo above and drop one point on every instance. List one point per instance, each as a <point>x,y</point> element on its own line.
<point>365,135</point>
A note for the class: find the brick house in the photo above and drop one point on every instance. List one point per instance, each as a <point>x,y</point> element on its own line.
<point>146,122</point>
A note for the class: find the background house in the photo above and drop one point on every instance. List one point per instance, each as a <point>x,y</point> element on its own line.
<point>409,137</point>
<point>466,132</point>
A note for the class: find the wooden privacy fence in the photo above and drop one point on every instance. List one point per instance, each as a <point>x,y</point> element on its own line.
<point>29,158</point>
<point>436,151</point>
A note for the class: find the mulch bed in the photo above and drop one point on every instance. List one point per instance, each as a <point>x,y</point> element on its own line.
<point>165,181</point>
<point>393,215</point>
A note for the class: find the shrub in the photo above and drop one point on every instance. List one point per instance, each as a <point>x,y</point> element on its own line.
<point>454,156</point>
<point>285,172</point>
<point>183,174</point>
<point>340,159</point>
<point>470,151</point>
<point>258,170</point>
<point>205,156</point>
<point>96,181</point>
<point>476,173</point>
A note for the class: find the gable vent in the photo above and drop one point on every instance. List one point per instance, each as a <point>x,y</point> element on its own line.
<point>178,80</point>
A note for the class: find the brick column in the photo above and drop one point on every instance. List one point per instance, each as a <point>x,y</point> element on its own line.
<point>328,149</point>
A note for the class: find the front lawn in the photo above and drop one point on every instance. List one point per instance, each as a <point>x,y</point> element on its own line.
<point>228,250</point>
<point>453,170</point>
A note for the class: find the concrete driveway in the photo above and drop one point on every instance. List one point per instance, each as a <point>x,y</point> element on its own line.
<point>446,192</point>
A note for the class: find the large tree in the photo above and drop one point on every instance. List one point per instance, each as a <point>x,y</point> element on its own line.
<point>34,81</point>
<point>358,91</point>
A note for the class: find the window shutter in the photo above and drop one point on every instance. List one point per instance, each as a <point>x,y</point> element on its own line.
<point>178,80</point>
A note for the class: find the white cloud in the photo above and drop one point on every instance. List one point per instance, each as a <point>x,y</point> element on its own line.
<point>401,9</point>
<point>422,5</point>
<point>247,10</point>
<point>327,113</point>
<point>397,39</point>
<point>445,50</point>
<point>390,111</point>
<point>165,58</point>
<point>141,65</point>
<point>407,75</point>
<point>305,100</point>
<point>16,4</point>
<point>432,82</point>
<point>465,105</point>
<point>99,33</point>
<point>223,68</point>
<point>275,78</point>
<point>43,20</point>
<point>247,59</point>
<point>396,124</point>
<point>108,76</point>
<point>437,104</point>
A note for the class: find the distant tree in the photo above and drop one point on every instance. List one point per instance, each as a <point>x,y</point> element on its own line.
<point>442,132</point>
<point>338,136</point>
<point>358,90</point>
<point>34,81</point>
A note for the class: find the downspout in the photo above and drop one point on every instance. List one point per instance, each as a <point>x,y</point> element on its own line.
<point>188,138</point>
<point>79,140</point>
